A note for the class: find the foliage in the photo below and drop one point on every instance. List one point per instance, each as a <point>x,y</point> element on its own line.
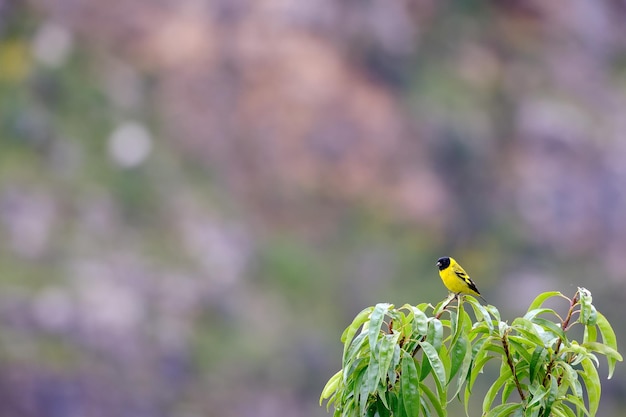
<point>413,360</point>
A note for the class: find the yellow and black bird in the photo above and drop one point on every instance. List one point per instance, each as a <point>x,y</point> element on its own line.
<point>455,278</point>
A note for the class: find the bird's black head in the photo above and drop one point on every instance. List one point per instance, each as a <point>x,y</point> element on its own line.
<point>443,263</point>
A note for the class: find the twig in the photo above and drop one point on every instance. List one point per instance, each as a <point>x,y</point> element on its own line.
<point>564,326</point>
<point>509,361</point>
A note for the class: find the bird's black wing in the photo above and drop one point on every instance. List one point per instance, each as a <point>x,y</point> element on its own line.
<point>463,275</point>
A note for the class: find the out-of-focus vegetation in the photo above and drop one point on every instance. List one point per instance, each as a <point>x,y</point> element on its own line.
<point>197,196</point>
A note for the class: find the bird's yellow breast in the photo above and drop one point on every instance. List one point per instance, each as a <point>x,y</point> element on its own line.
<point>455,283</point>
<point>452,281</point>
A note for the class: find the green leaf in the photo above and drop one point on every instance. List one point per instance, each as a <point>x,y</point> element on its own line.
<point>424,407</point>
<point>425,369</point>
<point>590,317</point>
<point>504,410</point>
<point>353,369</point>
<point>466,398</point>
<point>463,372</point>
<point>496,349</point>
<point>552,395</point>
<point>588,313</point>
<point>444,356</point>
<point>560,409</point>
<point>379,408</point>
<point>493,312</point>
<point>406,325</point>
<point>435,333</point>
<point>409,384</point>
<point>495,388</point>
<point>418,319</point>
<point>609,339</point>
<point>537,362</point>
<point>395,361</point>
<point>453,324</point>
<point>570,379</point>
<point>591,334</point>
<point>376,322</point>
<point>357,390</point>
<point>349,410</point>
<point>521,369</point>
<point>519,347</point>
<point>386,348</point>
<point>397,319</point>
<point>457,355</point>
<point>541,298</point>
<point>358,321</point>
<point>479,329</point>
<point>550,326</point>
<point>538,392</point>
<point>434,338</point>
<point>579,353</point>
<point>395,403</point>
<point>382,395</point>
<point>439,408</point>
<point>479,350</point>
<point>542,329</point>
<point>478,362</point>
<point>603,349</point>
<point>509,387</point>
<point>356,350</point>
<point>579,404</point>
<point>531,314</point>
<point>477,368</point>
<point>331,386</point>
<point>373,375</point>
<point>438,308</point>
<point>482,314</point>
<point>460,321</point>
<point>528,330</point>
<point>437,367</point>
<point>361,391</point>
<point>589,374</point>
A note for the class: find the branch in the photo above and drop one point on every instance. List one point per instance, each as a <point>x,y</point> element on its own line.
<point>564,326</point>
<point>509,361</point>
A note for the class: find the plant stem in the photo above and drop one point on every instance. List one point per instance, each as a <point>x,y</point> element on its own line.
<point>564,326</point>
<point>509,361</point>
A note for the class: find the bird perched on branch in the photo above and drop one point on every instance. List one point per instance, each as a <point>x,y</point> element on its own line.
<point>455,278</point>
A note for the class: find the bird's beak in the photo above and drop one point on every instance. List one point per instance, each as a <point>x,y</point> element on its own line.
<point>438,264</point>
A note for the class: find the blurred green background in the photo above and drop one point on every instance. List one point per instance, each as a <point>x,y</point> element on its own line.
<point>197,196</point>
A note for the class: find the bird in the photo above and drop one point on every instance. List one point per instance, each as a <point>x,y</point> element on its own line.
<point>455,278</point>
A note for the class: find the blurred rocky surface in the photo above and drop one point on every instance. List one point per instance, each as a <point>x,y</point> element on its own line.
<point>196,196</point>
